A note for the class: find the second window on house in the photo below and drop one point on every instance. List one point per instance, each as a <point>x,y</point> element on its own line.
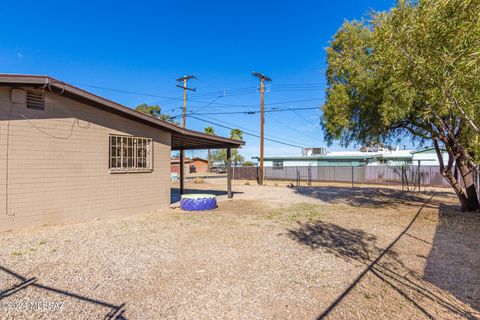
<point>130,154</point>
<point>277,164</point>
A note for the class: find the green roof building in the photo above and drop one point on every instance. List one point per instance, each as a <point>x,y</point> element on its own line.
<point>426,156</point>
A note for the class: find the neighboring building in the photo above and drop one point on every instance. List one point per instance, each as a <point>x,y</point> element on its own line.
<point>300,161</point>
<point>200,165</point>
<point>191,165</point>
<point>67,154</point>
<point>356,158</point>
<point>428,157</point>
<point>175,165</point>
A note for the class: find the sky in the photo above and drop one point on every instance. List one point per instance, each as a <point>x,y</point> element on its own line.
<point>132,52</point>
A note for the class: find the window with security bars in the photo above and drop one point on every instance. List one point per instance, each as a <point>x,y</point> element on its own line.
<point>130,154</point>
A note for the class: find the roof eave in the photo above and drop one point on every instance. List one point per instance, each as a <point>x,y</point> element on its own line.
<point>102,103</point>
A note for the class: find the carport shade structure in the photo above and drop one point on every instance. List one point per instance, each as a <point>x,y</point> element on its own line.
<point>181,138</point>
<point>192,140</point>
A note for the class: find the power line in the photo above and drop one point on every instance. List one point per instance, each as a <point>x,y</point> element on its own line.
<point>293,129</point>
<point>250,134</point>
<point>226,91</point>
<point>267,104</point>
<point>250,112</point>
<point>208,104</point>
<point>300,84</point>
<point>225,94</point>
<point>295,89</point>
<point>170,100</point>
<point>281,87</point>
<point>247,129</point>
<point>124,91</point>
<point>300,115</point>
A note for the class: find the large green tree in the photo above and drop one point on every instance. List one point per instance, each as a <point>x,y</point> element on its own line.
<point>155,111</point>
<point>412,72</point>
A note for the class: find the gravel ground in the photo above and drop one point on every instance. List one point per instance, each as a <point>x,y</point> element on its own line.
<point>270,253</point>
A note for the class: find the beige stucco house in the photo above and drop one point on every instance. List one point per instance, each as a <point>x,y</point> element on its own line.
<point>69,155</point>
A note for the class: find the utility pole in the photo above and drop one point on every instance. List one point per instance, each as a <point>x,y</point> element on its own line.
<point>262,118</point>
<point>185,79</point>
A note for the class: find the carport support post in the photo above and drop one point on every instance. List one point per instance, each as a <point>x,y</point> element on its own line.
<point>182,170</point>
<point>229,173</point>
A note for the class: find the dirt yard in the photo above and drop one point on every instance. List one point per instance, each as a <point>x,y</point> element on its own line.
<point>270,253</point>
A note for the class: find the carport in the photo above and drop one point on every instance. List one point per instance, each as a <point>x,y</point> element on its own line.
<point>185,139</point>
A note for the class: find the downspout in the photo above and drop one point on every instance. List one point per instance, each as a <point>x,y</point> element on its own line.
<point>7,144</point>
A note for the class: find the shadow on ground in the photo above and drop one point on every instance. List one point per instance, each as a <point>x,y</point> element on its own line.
<point>116,312</point>
<point>454,261</point>
<point>175,193</point>
<point>350,243</point>
<point>364,197</point>
<point>424,291</point>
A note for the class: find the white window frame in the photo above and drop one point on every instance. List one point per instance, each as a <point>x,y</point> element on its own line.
<point>125,154</point>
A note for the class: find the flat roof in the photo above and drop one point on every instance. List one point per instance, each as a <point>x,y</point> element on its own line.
<point>177,160</point>
<point>182,139</point>
<point>327,157</point>
<point>395,156</point>
<point>428,150</point>
<point>344,156</point>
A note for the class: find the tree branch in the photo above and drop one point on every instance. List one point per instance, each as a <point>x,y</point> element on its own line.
<point>451,137</point>
<point>465,116</point>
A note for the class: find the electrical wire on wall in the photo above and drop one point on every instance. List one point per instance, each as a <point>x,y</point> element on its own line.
<point>75,122</point>
<point>52,88</point>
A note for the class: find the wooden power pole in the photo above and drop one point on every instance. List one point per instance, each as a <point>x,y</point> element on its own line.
<point>185,79</point>
<point>262,118</point>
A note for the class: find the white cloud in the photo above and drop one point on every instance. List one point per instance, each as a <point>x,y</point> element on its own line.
<point>19,55</point>
<point>309,128</point>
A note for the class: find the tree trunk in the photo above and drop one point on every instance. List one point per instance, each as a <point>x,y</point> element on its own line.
<point>467,172</point>
<point>467,195</point>
<point>448,175</point>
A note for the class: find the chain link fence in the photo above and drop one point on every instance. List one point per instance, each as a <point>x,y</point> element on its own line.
<point>411,177</point>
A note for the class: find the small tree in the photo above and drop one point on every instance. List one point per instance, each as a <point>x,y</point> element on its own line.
<point>236,134</point>
<point>209,130</point>
<point>411,72</point>
<point>221,156</point>
<point>155,111</point>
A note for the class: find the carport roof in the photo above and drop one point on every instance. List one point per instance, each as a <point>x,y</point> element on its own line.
<point>181,138</point>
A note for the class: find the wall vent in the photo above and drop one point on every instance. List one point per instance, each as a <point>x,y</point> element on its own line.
<point>35,100</point>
